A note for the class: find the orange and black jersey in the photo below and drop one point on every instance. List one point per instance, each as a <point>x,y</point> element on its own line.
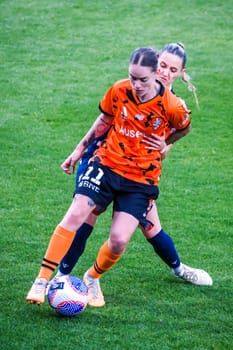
<point>123,150</point>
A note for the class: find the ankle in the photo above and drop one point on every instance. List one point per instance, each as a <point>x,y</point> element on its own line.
<point>179,270</point>
<point>60,274</point>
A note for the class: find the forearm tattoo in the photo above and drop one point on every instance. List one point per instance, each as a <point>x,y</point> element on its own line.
<point>100,129</point>
<point>87,142</point>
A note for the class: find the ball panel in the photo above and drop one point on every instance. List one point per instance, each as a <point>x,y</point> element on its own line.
<point>68,308</point>
<point>68,295</point>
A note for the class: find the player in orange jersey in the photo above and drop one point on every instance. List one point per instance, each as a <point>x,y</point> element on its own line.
<point>171,65</point>
<point>150,109</point>
<point>170,68</point>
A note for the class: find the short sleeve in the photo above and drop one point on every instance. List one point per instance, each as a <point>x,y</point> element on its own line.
<point>179,114</point>
<point>106,105</point>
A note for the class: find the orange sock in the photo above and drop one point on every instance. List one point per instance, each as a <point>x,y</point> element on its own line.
<point>104,262</point>
<point>57,248</point>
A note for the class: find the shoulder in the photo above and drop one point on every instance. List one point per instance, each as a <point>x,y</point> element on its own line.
<point>173,101</point>
<point>122,84</point>
<point>181,99</point>
<point>119,85</point>
<point>118,89</point>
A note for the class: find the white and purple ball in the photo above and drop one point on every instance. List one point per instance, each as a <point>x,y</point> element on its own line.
<point>68,295</point>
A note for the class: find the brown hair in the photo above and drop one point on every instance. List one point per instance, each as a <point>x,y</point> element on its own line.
<point>145,56</point>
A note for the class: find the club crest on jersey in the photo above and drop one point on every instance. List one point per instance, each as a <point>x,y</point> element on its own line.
<point>156,123</point>
<point>139,117</point>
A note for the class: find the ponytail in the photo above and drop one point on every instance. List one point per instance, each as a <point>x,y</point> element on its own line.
<point>187,80</point>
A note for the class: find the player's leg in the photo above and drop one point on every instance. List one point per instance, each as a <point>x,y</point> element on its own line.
<point>130,208</point>
<point>165,248</point>
<point>109,254</point>
<point>77,247</point>
<point>59,244</point>
<point>82,205</point>
<point>82,234</point>
<point>79,243</point>
<point>162,243</point>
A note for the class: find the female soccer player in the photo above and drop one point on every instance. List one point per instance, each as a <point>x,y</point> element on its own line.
<point>123,170</point>
<point>171,64</point>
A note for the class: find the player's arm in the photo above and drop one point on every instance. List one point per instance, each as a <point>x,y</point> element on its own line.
<point>165,151</point>
<point>160,143</point>
<point>179,120</point>
<point>100,126</point>
<point>178,134</point>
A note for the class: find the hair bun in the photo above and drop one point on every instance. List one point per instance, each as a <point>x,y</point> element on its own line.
<point>181,45</point>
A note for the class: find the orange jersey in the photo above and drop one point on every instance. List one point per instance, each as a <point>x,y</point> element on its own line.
<point>122,150</point>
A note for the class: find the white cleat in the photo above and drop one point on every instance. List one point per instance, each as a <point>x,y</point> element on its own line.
<point>194,276</point>
<point>36,295</point>
<point>95,295</point>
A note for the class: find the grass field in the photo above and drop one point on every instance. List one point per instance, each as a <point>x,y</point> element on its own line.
<point>57,58</point>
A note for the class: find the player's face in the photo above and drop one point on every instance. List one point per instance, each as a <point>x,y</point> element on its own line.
<point>169,68</point>
<point>143,81</point>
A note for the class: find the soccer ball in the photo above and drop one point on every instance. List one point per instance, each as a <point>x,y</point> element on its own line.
<point>68,295</point>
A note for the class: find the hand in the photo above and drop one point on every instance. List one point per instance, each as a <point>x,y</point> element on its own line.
<point>165,151</point>
<point>68,166</point>
<point>155,142</point>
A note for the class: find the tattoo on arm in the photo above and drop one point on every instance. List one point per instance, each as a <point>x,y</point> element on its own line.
<point>104,121</point>
<point>98,130</point>
<point>91,203</point>
<point>85,144</point>
<point>102,127</point>
<point>91,139</point>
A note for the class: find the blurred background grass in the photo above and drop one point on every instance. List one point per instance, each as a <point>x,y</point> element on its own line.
<point>56,61</point>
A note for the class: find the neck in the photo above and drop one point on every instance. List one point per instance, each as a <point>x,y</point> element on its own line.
<point>151,94</point>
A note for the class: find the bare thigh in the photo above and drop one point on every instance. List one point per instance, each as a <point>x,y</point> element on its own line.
<point>91,219</point>
<point>122,229</point>
<point>78,212</point>
<point>153,217</point>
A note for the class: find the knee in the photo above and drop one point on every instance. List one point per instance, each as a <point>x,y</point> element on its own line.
<point>117,244</point>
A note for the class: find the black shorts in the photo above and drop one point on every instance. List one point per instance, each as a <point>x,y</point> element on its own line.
<point>104,186</point>
<point>83,165</point>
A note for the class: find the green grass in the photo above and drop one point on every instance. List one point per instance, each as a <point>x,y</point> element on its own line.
<point>57,58</point>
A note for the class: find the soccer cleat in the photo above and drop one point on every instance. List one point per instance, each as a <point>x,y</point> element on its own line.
<point>95,295</point>
<point>58,274</point>
<point>37,293</point>
<point>194,276</point>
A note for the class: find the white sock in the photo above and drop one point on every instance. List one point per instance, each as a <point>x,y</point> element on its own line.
<point>179,270</point>
<point>59,274</point>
